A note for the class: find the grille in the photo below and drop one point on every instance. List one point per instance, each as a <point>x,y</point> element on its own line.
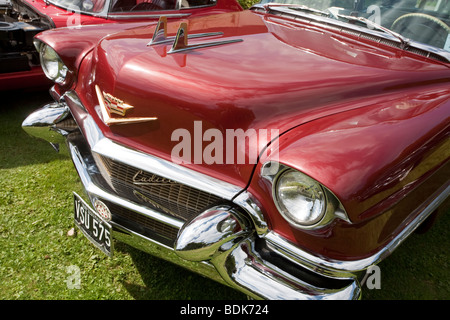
<point>156,192</point>
<point>142,224</point>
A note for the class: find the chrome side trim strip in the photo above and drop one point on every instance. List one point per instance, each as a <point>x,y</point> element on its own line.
<point>147,16</point>
<point>102,145</point>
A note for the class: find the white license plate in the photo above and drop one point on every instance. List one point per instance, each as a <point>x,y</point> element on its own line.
<point>94,227</point>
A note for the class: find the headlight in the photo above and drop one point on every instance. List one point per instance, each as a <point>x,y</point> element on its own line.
<point>52,64</point>
<point>300,199</point>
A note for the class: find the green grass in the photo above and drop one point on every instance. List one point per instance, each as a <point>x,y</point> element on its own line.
<point>36,187</point>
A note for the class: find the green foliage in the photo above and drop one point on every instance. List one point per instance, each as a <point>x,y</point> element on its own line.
<point>247,3</point>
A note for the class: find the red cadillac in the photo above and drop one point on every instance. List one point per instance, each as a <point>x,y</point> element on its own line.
<point>283,151</point>
<point>20,20</point>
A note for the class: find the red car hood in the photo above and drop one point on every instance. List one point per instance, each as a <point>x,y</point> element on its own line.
<point>278,75</point>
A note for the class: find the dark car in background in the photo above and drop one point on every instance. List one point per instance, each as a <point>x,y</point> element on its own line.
<point>21,20</point>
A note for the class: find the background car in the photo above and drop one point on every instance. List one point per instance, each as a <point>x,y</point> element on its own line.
<point>342,124</point>
<point>21,20</point>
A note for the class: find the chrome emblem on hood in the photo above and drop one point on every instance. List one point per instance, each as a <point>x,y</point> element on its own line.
<point>110,104</point>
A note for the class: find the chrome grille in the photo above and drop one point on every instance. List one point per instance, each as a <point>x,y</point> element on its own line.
<point>142,224</point>
<point>156,192</point>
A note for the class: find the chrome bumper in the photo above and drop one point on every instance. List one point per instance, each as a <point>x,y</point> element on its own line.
<point>229,243</point>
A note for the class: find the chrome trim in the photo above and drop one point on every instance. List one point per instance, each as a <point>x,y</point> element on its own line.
<point>180,43</point>
<point>117,16</point>
<point>205,236</point>
<point>160,34</point>
<point>108,148</point>
<point>95,191</point>
<point>242,268</point>
<point>246,201</point>
<point>223,236</point>
<point>191,36</point>
<point>164,252</point>
<point>202,6</point>
<point>164,168</point>
<point>350,268</point>
<point>43,124</point>
<point>204,45</point>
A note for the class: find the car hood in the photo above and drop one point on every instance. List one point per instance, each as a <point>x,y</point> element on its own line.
<point>277,75</point>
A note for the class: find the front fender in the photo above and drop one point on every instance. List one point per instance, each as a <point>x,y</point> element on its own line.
<point>382,162</point>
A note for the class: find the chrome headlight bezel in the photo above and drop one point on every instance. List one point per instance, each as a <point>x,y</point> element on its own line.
<point>330,207</point>
<point>52,65</point>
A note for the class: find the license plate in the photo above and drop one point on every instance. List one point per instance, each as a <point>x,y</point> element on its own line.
<point>94,227</point>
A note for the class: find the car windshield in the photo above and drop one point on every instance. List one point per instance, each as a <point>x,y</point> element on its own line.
<point>117,6</point>
<point>90,6</point>
<point>424,21</point>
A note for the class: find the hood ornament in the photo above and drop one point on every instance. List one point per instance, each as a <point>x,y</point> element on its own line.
<point>110,104</point>
<point>160,35</point>
<point>180,41</point>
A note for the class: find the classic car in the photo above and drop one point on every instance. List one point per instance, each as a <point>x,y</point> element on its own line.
<point>21,20</point>
<point>283,150</point>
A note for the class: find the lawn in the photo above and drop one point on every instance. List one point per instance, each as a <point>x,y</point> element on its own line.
<point>40,260</point>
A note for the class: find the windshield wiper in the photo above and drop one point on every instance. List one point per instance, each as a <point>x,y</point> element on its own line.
<point>298,7</point>
<point>404,42</point>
